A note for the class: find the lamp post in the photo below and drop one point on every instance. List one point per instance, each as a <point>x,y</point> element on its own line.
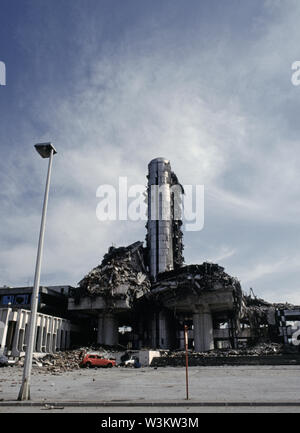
<point>46,150</point>
<point>186,342</point>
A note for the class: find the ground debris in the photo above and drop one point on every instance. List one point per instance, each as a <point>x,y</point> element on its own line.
<point>257,350</point>
<point>68,360</point>
<point>177,358</point>
<point>51,406</point>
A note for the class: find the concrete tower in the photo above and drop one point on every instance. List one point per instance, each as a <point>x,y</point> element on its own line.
<point>164,237</point>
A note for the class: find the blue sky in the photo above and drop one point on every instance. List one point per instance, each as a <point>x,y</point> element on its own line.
<point>116,83</point>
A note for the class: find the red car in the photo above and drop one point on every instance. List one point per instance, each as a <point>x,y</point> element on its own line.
<point>92,360</point>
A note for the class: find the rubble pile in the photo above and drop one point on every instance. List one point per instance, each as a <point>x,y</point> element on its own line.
<point>62,361</point>
<point>68,360</point>
<point>197,358</point>
<point>255,316</point>
<point>207,276</point>
<point>262,349</point>
<point>198,279</point>
<point>256,311</point>
<point>121,275</point>
<point>58,362</point>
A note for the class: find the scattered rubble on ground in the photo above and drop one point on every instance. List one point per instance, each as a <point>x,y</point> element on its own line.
<point>258,350</point>
<point>68,360</point>
<point>247,355</point>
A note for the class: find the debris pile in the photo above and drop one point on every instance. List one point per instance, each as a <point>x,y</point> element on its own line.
<point>58,362</point>
<point>256,311</point>
<point>121,275</point>
<point>198,279</point>
<point>68,360</point>
<point>217,355</point>
<point>207,276</point>
<point>262,349</point>
<point>62,361</point>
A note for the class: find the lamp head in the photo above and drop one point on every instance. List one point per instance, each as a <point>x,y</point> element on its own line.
<point>44,149</point>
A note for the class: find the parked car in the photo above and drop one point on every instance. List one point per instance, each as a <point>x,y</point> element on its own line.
<point>93,360</point>
<point>132,362</point>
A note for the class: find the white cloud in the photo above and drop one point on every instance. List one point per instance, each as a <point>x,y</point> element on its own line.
<point>220,115</point>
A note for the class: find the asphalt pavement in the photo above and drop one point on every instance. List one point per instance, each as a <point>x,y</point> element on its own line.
<point>211,389</point>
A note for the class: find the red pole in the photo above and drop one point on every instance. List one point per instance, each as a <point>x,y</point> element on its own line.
<point>186,360</point>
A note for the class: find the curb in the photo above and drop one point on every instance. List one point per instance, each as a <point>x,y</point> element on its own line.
<point>147,404</point>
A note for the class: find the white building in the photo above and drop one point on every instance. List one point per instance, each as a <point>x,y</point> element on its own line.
<point>52,333</point>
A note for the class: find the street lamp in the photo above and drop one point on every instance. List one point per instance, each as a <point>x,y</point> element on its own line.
<point>46,150</point>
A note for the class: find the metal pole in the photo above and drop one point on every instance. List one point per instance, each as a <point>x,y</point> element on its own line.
<point>24,393</point>
<point>186,360</point>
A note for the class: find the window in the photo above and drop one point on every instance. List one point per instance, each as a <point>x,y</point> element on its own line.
<point>16,299</point>
<point>7,299</point>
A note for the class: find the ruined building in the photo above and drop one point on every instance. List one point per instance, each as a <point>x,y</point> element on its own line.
<point>149,292</point>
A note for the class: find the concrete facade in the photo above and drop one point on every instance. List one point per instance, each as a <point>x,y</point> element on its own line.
<point>53,333</point>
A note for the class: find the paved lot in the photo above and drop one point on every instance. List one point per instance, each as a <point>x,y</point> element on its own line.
<point>120,386</point>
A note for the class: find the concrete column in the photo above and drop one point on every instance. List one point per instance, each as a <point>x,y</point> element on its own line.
<point>100,333</point>
<point>62,338</point>
<point>57,344</point>
<point>232,334</point>
<point>153,331</point>
<point>54,335</point>
<point>40,323</point>
<point>44,334</point>
<point>26,327</point>
<point>203,330</point>
<point>110,330</point>
<point>4,316</point>
<point>140,340</point>
<point>50,335</point>
<point>58,338</point>
<point>164,330</point>
<point>181,340</point>
<point>15,349</point>
<point>68,339</point>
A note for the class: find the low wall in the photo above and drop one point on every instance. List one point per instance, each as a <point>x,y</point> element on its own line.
<point>179,361</point>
